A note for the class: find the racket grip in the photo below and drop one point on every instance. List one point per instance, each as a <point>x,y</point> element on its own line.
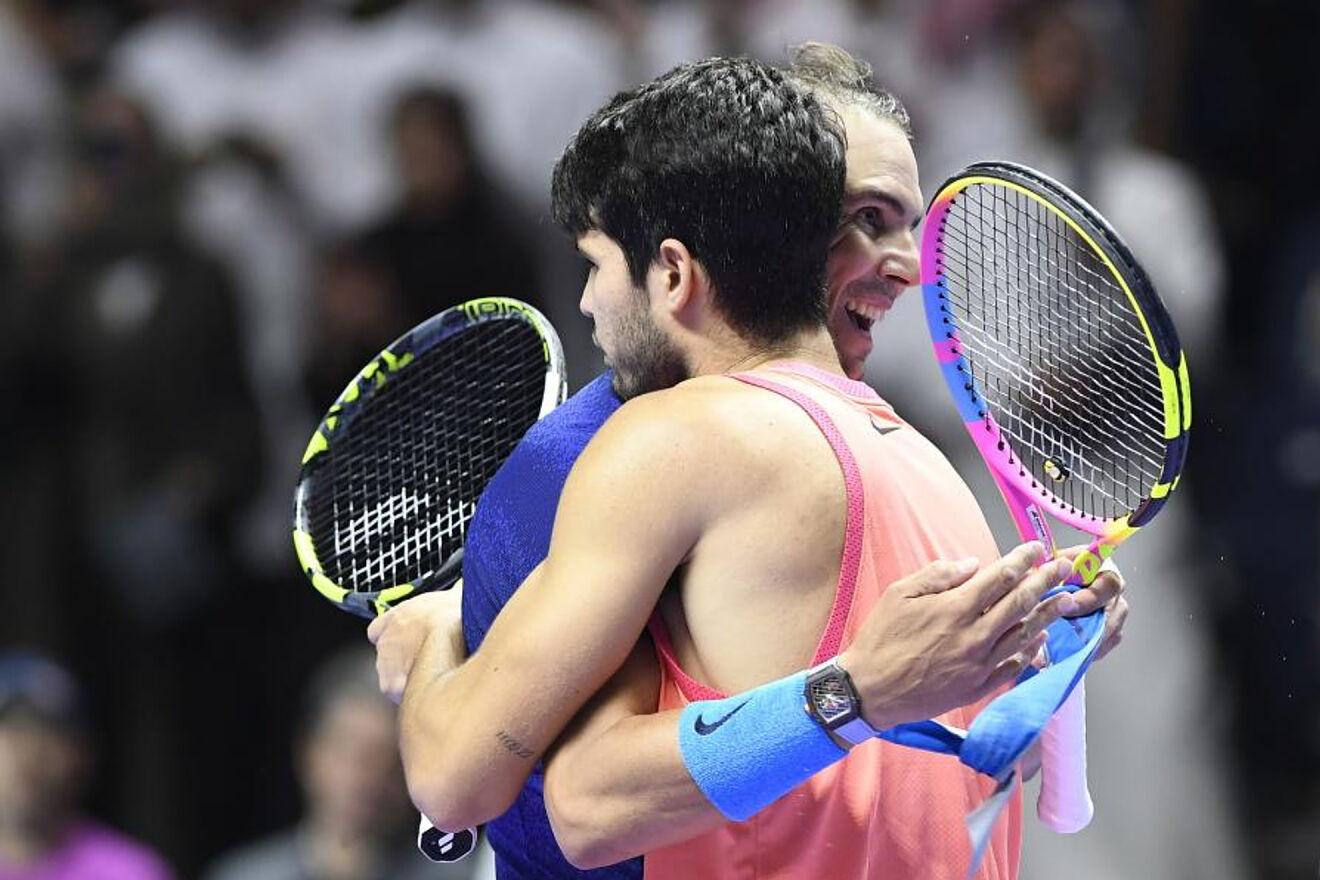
<point>1064,803</point>
<point>445,846</point>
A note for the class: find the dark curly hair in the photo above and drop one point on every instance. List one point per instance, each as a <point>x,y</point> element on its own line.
<point>734,159</point>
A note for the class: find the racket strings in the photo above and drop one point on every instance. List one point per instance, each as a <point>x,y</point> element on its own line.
<point>1056,350</point>
<point>398,489</point>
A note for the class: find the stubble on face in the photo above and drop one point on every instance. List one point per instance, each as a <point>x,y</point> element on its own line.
<point>645,359</point>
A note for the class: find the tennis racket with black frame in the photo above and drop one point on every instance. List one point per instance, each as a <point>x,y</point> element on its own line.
<point>1067,371</point>
<point>393,472</point>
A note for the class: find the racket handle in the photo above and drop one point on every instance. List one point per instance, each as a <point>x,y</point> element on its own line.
<point>1064,803</point>
<point>445,846</point>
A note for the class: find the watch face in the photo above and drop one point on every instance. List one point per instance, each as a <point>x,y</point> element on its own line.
<point>832,698</point>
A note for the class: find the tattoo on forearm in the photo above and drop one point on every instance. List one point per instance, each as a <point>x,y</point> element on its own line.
<point>513,746</point>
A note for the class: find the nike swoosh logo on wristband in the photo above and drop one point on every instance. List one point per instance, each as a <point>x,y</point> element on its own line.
<point>702,728</point>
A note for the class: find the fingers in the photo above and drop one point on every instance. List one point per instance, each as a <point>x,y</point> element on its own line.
<point>1107,587</point>
<point>377,627</point>
<point>1030,630</point>
<point>1070,552</point>
<point>1024,596</point>
<point>1007,671</point>
<point>392,668</point>
<point>937,577</point>
<point>1114,623</point>
<point>395,652</point>
<point>991,584</point>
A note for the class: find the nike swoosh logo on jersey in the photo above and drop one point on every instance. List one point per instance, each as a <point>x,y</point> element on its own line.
<point>702,728</point>
<point>884,429</point>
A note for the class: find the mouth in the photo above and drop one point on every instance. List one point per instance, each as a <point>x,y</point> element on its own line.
<point>863,313</point>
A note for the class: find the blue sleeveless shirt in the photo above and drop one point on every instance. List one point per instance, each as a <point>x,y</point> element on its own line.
<point>508,537</point>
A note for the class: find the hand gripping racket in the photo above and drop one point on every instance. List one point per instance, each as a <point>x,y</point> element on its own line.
<point>392,474</point>
<point>1067,371</point>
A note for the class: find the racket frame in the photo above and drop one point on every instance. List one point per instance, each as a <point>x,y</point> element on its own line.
<point>377,374</point>
<point>1030,499</point>
<point>1065,801</point>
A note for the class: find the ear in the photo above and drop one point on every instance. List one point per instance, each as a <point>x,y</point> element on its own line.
<point>677,278</point>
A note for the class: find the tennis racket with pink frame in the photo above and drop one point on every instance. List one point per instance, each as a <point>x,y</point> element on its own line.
<point>1067,372</point>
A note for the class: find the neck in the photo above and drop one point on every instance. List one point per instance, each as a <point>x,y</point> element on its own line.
<point>736,355</point>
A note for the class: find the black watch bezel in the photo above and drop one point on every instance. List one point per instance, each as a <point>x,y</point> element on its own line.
<point>831,697</point>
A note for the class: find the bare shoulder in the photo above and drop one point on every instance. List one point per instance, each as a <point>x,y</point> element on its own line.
<point>657,432</point>
<point>651,462</point>
<point>690,417</point>
<point>702,432</point>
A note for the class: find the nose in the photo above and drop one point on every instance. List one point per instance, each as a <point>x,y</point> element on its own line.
<point>901,260</point>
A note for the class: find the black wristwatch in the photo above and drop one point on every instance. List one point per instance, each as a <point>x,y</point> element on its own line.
<point>833,702</point>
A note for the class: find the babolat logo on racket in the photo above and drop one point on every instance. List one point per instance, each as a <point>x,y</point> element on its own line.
<point>485,309</point>
<point>492,306</point>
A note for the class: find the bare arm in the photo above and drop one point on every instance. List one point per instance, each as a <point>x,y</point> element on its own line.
<point>470,736</point>
<point>617,785</point>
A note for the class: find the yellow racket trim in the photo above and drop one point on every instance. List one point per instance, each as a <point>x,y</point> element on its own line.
<point>1170,381</point>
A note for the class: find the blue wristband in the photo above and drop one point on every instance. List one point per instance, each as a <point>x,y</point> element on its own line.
<point>747,751</point>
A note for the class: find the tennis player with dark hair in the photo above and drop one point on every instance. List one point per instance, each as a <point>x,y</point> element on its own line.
<point>744,502</point>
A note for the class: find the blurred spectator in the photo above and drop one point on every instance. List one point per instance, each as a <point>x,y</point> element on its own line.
<point>148,415</point>
<point>275,72</point>
<point>45,762</point>
<point>1079,132</point>
<point>528,71</point>
<point>357,312</point>
<point>358,823</point>
<point>659,36</point>
<point>157,405</point>
<point>451,237</point>
<point>240,206</point>
<point>31,105</point>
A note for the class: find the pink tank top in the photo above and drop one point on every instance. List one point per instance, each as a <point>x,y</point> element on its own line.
<point>884,811</point>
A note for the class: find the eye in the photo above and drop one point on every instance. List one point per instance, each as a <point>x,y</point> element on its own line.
<point>870,220</point>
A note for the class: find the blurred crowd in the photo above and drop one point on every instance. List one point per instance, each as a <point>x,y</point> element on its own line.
<point>213,212</point>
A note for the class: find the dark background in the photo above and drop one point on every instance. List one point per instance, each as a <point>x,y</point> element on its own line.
<point>213,212</point>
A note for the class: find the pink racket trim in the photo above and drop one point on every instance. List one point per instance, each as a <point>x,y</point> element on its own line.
<point>988,438</point>
<point>1064,803</point>
<point>930,237</point>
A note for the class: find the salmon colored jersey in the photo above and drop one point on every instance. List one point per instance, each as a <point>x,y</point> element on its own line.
<point>885,811</point>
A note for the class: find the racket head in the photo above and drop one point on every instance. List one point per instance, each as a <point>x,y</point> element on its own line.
<point>392,474</point>
<point>1062,359</point>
